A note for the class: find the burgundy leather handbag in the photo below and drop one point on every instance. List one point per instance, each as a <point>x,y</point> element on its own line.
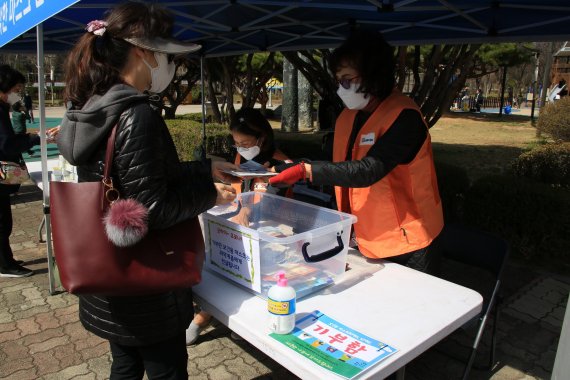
<point>89,263</point>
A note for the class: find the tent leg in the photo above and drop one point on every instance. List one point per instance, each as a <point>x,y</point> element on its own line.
<point>40,229</point>
<point>43,145</point>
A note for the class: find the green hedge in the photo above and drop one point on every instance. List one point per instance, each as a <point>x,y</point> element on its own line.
<point>197,117</point>
<point>554,120</point>
<point>547,163</point>
<point>533,217</point>
<point>187,136</point>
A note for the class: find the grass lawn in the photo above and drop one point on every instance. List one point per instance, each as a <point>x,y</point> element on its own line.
<point>480,143</point>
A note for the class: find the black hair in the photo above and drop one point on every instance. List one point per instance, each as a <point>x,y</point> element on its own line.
<point>16,107</point>
<point>9,78</point>
<point>95,63</point>
<point>369,54</point>
<point>251,122</point>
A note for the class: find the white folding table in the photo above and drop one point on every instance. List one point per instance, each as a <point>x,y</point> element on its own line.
<point>35,170</point>
<point>404,308</point>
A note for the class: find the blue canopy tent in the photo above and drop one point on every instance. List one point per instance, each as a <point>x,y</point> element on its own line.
<point>230,27</point>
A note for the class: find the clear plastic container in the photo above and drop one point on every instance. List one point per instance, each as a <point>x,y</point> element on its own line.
<point>260,234</point>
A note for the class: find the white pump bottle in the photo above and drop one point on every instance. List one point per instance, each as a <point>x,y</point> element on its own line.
<point>281,305</point>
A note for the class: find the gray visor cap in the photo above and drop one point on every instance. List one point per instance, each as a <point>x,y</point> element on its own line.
<point>164,45</point>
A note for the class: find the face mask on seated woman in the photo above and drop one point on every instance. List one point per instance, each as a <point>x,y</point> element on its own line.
<point>249,153</point>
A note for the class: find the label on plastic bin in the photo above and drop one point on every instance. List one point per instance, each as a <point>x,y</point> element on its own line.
<point>281,307</point>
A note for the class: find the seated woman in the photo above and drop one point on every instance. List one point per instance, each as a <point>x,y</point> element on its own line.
<point>254,141</point>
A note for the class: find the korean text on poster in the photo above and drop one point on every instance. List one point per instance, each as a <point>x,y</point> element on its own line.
<point>334,346</point>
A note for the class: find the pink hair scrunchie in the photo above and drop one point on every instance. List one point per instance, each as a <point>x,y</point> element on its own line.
<point>97,27</point>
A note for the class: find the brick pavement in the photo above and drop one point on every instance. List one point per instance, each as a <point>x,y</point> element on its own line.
<point>42,338</point>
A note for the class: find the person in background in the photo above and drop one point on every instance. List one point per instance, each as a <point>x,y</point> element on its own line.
<point>479,100</point>
<point>19,118</point>
<point>382,169</point>
<point>29,106</point>
<point>12,146</point>
<point>109,74</point>
<point>254,140</point>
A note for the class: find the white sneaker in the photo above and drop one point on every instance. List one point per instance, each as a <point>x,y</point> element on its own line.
<point>194,330</point>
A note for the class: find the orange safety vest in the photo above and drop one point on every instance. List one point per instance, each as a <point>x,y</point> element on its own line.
<point>402,212</point>
<point>277,155</point>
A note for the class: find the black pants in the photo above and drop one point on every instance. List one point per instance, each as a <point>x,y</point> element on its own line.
<point>424,260</point>
<point>6,256</point>
<point>166,360</point>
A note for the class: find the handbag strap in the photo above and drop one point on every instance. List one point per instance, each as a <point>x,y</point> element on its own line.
<point>110,193</point>
<point>109,154</point>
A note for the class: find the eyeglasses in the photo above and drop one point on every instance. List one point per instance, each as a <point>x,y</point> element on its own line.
<point>345,82</point>
<point>247,144</point>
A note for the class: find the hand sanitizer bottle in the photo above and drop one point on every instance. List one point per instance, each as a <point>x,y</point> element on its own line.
<point>281,305</point>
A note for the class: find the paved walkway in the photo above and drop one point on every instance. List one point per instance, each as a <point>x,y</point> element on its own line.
<point>41,337</point>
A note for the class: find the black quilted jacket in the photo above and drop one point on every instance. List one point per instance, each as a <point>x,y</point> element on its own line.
<point>145,167</point>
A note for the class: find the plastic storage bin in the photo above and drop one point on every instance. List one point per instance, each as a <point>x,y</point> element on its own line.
<point>309,243</point>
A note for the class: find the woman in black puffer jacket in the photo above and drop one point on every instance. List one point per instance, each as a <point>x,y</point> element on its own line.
<point>107,74</point>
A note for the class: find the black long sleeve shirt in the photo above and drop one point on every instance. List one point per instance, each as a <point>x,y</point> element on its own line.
<point>399,145</point>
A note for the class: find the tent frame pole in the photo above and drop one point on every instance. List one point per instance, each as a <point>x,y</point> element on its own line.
<point>203,95</point>
<point>43,150</point>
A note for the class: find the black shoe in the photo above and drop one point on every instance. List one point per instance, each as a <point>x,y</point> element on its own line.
<point>17,262</point>
<point>15,271</point>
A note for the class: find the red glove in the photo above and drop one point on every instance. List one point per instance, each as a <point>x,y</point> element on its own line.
<point>290,176</point>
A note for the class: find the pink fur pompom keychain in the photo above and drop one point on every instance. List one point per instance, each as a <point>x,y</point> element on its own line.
<point>126,222</point>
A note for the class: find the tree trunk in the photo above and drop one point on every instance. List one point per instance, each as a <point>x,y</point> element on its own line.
<point>402,54</point>
<point>251,83</point>
<point>228,64</point>
<point>305,99</point>
<point>214,108</point>
<point>314,67</point>
<point>445,90</point>
<point>176,93</point>
<point>290,111</point>
<point>416,69</point>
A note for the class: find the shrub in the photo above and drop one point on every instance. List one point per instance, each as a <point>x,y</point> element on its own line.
<point>554,120</point>
<point>533,217</point>
<point>187,136</point>
<point>547,163</point>
<point>196,94</point>
<point>453,183</point>
<point>197,117</point>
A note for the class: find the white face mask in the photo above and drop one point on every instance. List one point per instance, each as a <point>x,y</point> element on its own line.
<point>249,153</point>
<point>13,98</point>
<point>352,99</point>
<point>161,75</point>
